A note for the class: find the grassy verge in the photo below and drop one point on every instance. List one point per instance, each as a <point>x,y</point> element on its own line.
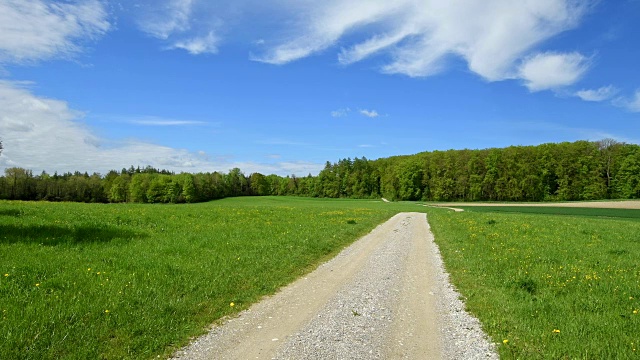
<point>118,281</point>
<point>547,286</point>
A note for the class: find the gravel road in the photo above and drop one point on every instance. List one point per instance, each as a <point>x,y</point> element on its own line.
<point>386,296</point>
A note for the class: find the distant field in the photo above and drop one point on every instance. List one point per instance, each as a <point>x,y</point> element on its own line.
<point>546,286</point>
<point>118,281</point>
<point>604,204</point>
<point>570,211</point>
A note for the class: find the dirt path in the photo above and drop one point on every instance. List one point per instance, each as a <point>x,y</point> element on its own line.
<point>384,297</point>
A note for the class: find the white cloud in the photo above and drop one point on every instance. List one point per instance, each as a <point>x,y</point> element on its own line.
<point>546,71</point>
<point>163,18</point>
<point>299,168</point>
<point>39,133</point>
<point>199,45</point>
<point>369,113</point>
<point>632,104</point>
<point>184,24</point>
<point>601,94</point>
<point>284,142</point>
<point>156,121</point>
<point>416,37</point>
<point>322,24</point>
<point>341,112</point>
<point>419,35</point>
<point>34,30</point>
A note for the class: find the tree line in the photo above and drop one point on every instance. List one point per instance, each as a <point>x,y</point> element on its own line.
<point>581,170</point>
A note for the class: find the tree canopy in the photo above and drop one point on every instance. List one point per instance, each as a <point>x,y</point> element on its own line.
<point>581,170</point>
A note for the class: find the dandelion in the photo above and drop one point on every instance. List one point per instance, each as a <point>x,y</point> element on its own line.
<point>556,331</point>
<point>635,311</point>
<point>505,341</point>
<point>106,311</point>
<point>232,304</point>
<point>38,284</point>
<point>89,269</point>
<point>5,275</point>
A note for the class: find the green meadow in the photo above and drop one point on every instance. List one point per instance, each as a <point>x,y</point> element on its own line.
<point>114,281</point>
<point>569,211</point>
<point>548,283</point>
<point>132,281</point>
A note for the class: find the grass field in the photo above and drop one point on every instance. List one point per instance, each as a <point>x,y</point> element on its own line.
<point>120,281</point>
<point>570,211</point>
<point>91,281</point>
<point>547,286</point>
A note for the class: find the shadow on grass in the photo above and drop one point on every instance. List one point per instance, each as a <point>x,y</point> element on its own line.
<point>52,235</point>
<point>10,212</point>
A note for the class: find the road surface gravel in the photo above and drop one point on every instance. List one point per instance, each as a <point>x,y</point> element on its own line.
<point>386,296</point>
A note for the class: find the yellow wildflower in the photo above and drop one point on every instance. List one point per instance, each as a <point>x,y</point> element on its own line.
<point>38,284</point>
<point>505,341</point>
<point>232,304</point>
<point>106,311</point>
<point>556,331</point>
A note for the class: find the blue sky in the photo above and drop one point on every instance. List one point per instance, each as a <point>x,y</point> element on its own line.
<point>283,86</point>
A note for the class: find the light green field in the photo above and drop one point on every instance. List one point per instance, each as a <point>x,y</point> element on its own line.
<point>548,285</point>
<point>116,281</point>
<point>90,281</point>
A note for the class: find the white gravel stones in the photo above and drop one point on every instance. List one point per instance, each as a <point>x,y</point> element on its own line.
<point>369,302</point>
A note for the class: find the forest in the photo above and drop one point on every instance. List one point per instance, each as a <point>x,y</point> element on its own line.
<point>568,171</point>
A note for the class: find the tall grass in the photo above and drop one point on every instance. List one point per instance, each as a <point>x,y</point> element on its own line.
<point>547,286</point>
<point>118,281</point>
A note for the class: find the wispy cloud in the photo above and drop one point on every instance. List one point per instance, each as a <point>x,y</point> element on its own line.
<point>35,30</point>
<point>340,112</point>
<point>558,132</point>
<point>199,45</point>
<point>631,104</point>
<point>634,103</point>
<point>190,25</point>
<point>163,18</point>
<point>369,113</point>
<point>281,142</point>
<point>419,36</point>
<point>600,94</point>
<point>40,133</point>
<point>546,71</point>
<point>156,121</point>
